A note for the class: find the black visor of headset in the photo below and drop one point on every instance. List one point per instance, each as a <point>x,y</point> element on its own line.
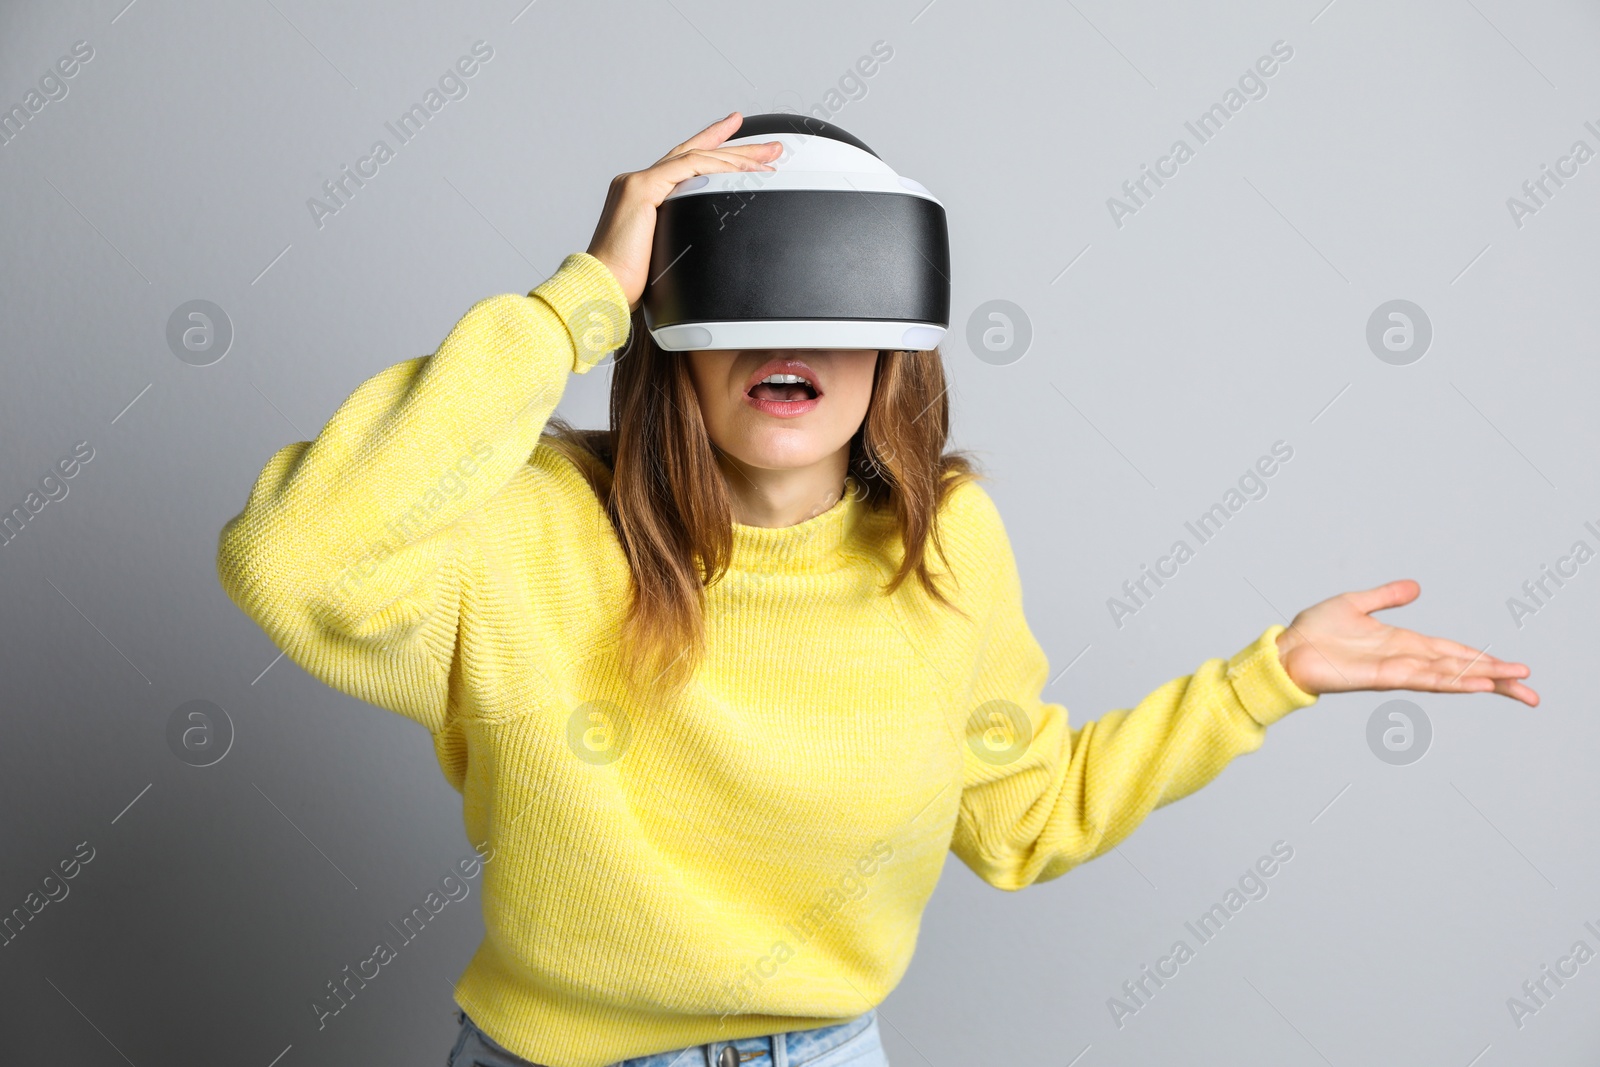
<point>832,249</point>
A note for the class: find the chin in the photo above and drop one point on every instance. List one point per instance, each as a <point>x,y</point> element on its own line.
<point>781,451</point>
<point>779,461</point>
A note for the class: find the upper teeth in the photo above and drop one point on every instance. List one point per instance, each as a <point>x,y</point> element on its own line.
<point>784,379</point>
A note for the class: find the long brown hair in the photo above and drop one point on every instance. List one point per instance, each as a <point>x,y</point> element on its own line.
<point>656,472</point>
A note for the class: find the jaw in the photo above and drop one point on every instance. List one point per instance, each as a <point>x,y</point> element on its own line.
<point>767,443</point>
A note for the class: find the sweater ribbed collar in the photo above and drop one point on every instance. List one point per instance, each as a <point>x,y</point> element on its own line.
<point>810,545</point>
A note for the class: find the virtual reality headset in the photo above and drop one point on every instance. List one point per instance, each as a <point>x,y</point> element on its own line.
<point>832,249</point>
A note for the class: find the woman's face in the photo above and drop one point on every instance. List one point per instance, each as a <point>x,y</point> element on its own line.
<point>757,414</point>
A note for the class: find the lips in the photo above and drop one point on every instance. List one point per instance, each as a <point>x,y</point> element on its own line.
<point>784,365</point>
<point>787,400</point>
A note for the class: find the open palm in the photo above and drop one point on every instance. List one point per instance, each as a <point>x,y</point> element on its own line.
<point>1337,646</point>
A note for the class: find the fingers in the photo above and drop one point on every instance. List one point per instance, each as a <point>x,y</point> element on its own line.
<point>739,153</point>
<point>1509,687</point>
<point>1453,675</point>
<point>1444,681</point>
<point>1455,667</point>
<point>1443,646</point>
<point>1518,691</point>
<point>1461,659</point>
<point>709,137</point>
<point>700,161</point>
<point>1389,595</point>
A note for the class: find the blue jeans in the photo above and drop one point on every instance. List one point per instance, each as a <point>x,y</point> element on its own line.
<point>850,1044</point>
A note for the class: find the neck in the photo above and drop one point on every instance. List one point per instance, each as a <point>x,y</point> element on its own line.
<point>773,498</point>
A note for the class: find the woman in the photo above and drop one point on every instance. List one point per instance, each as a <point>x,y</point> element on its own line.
<point>723,685</point>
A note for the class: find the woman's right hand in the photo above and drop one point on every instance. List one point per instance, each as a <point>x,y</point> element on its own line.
<point>627,226</point>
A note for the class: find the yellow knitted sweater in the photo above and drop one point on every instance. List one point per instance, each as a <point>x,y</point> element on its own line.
<point>753,854</point>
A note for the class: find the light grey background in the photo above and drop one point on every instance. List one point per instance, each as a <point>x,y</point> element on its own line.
<point>1228,313</point>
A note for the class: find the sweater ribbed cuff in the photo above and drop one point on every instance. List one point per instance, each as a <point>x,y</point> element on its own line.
<point>1263,686</point>
<point>591,302</point>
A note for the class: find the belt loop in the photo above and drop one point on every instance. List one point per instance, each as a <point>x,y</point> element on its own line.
<point>780,1050</point>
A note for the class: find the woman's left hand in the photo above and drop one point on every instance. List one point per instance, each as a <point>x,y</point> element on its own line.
<point>1337,646</point>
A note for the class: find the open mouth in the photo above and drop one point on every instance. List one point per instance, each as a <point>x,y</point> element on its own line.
<point>783,388</point>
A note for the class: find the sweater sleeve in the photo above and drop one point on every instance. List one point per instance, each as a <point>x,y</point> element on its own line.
<point>351,548</point>
<point>1039,796</point>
